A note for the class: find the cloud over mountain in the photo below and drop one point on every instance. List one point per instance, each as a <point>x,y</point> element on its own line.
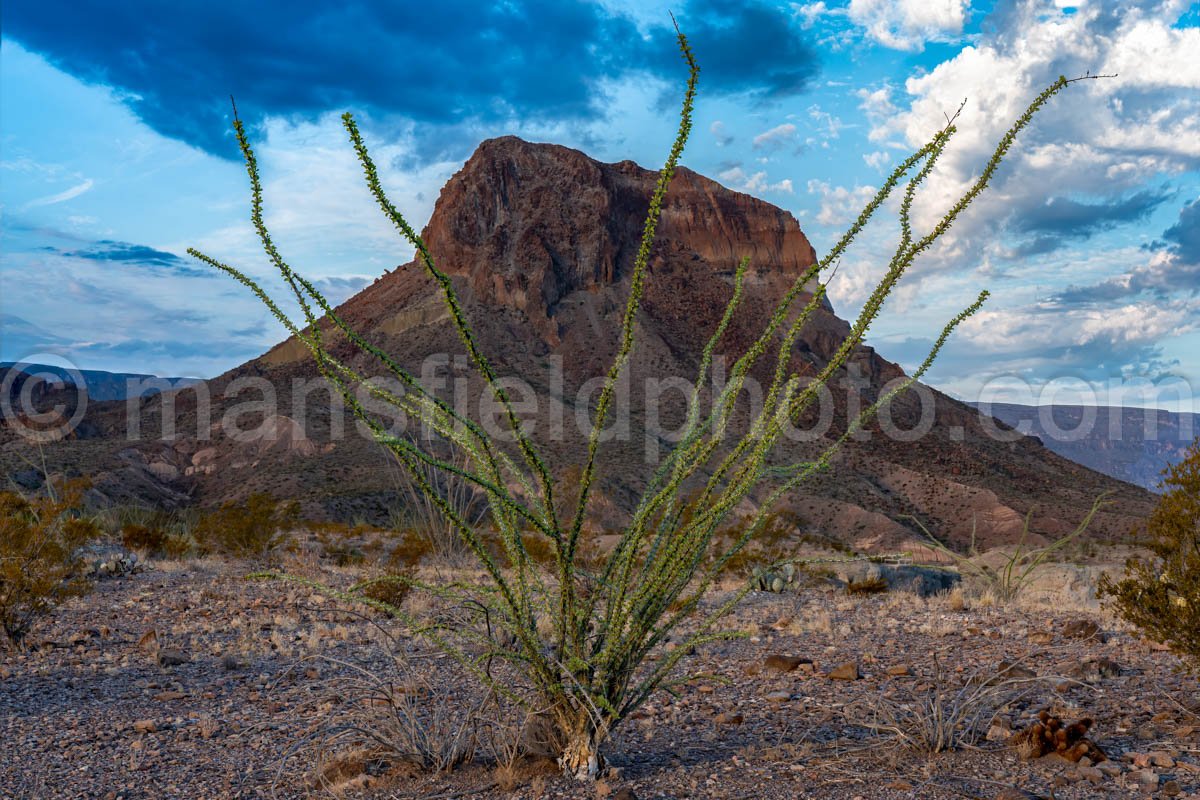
<point>176,65</point>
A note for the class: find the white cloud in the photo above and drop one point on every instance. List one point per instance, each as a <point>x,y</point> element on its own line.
<point>828,125</point>
<point>318,209</point>
<point>775,137</point>
<point>63,196</point>
<point>909,24</point>
<point>809,13</point>
<point>877,105</point>
<point>1120,328</point>
<point>755,183</point>
<point>1098,138</point>
<point>723,137</point>
<point>839,205</point>
<point>877,159</point>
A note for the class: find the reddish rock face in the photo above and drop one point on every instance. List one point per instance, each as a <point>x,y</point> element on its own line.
<point>528,224</point>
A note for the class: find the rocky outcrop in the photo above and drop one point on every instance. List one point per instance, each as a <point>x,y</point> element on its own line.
<point>529,224</point>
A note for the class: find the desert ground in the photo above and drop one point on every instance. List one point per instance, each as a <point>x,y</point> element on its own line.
<point>187,679</point>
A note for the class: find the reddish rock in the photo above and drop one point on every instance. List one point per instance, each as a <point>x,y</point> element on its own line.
<point>844,672</point>
<point>781,663</point>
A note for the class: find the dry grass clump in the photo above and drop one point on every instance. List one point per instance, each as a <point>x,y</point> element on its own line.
<point>946,717</point>
<point>389,716</point>
<point>250,528</point>
<point>346,545</point>
<point>40,561</point>
<point>394,583</point>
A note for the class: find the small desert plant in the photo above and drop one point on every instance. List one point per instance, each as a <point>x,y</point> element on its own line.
<point>871,584</point>
<point>1051,734</point>
<point>611,622</point>
<point>40,561</point>
<point>1019,568</point>
<point>946,716</point>
<point>1161,594</point>
<point>389,588</point>
<point>248,528</point>
<point>390,710</point>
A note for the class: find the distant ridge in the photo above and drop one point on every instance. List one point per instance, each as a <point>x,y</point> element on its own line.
<point>101,385</point>
<point>1129,444</point>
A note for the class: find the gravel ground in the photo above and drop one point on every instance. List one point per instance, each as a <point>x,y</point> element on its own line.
<point>186,680</point>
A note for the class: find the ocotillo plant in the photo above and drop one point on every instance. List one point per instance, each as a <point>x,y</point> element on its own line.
<point>595,667</point>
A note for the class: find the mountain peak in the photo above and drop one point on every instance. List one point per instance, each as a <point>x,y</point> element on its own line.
<point>528,223</point>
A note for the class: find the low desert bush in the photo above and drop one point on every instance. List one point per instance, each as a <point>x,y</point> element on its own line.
<point>389,588</point>
<point>872,584</point>
<point>613,616</point>
<point>1160,594</point>
<point>251,527</point>
<point>157,532</point>
<point>40,560</point>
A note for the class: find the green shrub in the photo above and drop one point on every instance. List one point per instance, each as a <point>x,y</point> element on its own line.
<point>1161,594</point>
<point>252,527</point>
<point>605,650</point>
<point>40,561</point>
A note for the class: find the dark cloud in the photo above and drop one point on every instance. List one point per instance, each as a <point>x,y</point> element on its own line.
<point>138,255</point>
<point>1177,273</point>
<point>108,250</point>
<point>1183,238</point>
<point>1163,279</point>
<point>1062,218</point>
<point>175,64</point>
<point>1041,360</point>
<point>1039,245</point>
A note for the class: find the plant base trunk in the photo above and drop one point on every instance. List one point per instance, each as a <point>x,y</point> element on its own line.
<point>581,758</point>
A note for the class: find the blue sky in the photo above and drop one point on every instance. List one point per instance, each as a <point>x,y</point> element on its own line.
<point>115,156</point>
